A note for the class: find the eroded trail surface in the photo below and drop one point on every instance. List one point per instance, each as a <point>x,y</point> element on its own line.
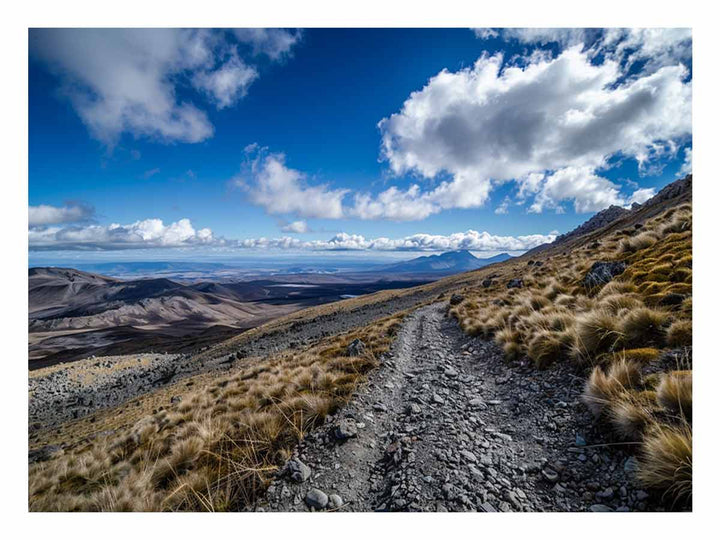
<point>446,424</point>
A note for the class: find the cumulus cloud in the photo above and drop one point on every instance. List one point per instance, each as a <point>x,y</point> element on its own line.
<point>502,208</point>
<point>127,80</point>
<point>282,190</point>
<point>495,122</point>
<point>590,192</point>
<point>652,47</point>
<point>148,233</point>
<point>299,227</point>
<point>227,84</point>
<point>470,240</point>
<point>686,167</point>
<point>46,214</point>
<point>153,233</point>
<point>273,42</point>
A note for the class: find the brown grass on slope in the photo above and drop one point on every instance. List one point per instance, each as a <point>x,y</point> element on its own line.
<point>632,322</point>
<point>213,450</point>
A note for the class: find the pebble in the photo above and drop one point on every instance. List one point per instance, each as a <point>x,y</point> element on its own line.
<point>600,508</point>
<point>297,470</point>
<point>316,499</point>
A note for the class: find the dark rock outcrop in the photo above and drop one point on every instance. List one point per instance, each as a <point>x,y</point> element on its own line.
<point>602,272</point>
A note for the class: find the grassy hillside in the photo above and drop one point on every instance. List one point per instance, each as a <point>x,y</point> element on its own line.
<point>216,446</point>
<point>631,336</point>
<point>214,449</point>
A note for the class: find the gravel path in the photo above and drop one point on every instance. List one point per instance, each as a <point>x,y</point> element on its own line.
<point>446,424</point>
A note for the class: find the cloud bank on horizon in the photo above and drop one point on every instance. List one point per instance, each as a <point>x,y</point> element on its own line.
<point>153,233</point>
<point>549,123</point>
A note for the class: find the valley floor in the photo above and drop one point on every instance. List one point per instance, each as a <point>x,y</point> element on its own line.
<point>446,424</point>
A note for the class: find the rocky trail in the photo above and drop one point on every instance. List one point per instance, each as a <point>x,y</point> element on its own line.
<point>446,424</point>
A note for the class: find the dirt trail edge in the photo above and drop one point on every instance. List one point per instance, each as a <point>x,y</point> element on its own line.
<point>446,424</point>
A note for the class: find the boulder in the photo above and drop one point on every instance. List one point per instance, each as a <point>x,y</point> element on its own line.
<point>515,284</point>
<point>455,299</point>
<point>487,282</point>
<point>602,272</point>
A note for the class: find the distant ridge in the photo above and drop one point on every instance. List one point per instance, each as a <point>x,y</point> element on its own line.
<point>449,262</point>
<point>679,189</point>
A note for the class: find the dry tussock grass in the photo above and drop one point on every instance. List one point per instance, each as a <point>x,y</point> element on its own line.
<point>214,450</point>
<point>626,324</point>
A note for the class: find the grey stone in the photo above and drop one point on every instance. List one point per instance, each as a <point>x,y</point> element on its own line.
<point>335,501</point>
<point>455,299</point>
<point>316,499</point>
<point>356,348</point>
<point>487,507</point>
<point>515,284</point>
<point>600,508</point>
<point>580,440</point>
<point>550,475</point>
<point>346,429</point>
<point>297,470</point>
<point>472,458</point>
<point>477,403</point>
<point>631,466</point>
<point>438,399</point>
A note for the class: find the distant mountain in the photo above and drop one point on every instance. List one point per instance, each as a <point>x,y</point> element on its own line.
<point>447,263</point>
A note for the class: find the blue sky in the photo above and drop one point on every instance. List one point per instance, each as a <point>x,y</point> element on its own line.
<point>270,141</point>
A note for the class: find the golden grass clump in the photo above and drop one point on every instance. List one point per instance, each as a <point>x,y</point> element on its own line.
<point>666,461</point>
<point>597,332</point>
<point>642,241</point>
<point>545,348</point>
<point>643,326</point>
<point>602,387</point>
<point>679,334</point>
<point>630,417</point>
<point>643,355</point>
<point>674,392</point>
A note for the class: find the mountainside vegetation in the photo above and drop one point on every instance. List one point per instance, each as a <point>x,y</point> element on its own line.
<point>614,302</point>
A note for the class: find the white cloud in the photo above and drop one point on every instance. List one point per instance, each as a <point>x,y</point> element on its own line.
<point>298,227</point>
<point>486,33</point>
<point>128,80</point>
<point>655,47</point>
<point>564,36</point>
<point>494,123</point>
<point>471,240</point>
<point>503,206</point>
<point>588,191</point>
<point>686,167</point>
<point>46,214</point>
<point>227,84</point>
<point>281,190</point>
<point>153,233</point>
<point>273,42</point>
<point>639,196</point>
<point>148,233</point>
